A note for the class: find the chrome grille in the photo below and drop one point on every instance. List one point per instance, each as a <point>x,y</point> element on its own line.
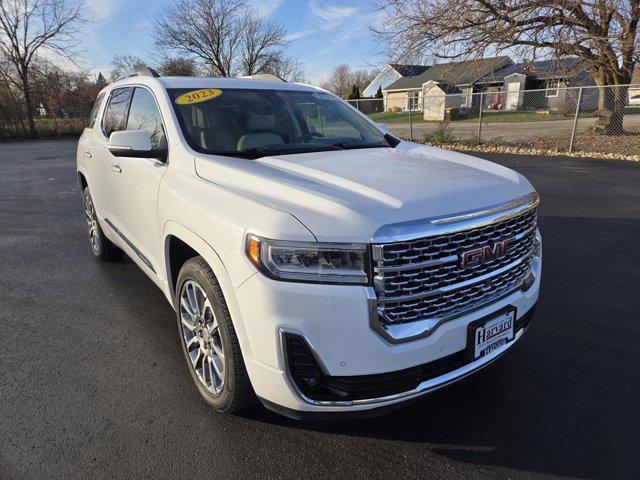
<point>424,278</point>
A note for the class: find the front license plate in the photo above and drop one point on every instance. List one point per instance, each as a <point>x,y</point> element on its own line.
<point>490,333</point>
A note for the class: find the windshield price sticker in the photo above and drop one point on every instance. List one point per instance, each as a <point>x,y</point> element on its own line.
<point>197,96</point>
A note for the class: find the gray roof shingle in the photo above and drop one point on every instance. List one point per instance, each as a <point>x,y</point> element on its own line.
<point>453,73</point>
<point>409,70</point>
<point>541,70</point>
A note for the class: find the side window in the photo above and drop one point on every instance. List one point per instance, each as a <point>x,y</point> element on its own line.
<point>144,115</point>
<point>95,110</point>
<point>115,115</point>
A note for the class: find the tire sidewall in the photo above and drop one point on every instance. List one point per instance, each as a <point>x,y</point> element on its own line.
<point>87,194</point>
<point>222,400</point>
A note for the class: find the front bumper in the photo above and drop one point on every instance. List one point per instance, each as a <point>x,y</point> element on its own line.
<point>335,320</point>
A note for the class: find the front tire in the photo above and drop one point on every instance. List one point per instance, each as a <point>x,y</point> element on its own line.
<point>101,246</point>
<point>208,339</point>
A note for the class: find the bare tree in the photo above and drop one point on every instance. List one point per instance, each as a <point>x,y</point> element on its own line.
<point>286,68</point>
<point>28,27</point>
<point>340,80</point>
<point>178,66</point>
<point>124,64</point>
<point>603,33</point>
<point>207,30</point>
<point>261,43</point>
<point>362,78</point>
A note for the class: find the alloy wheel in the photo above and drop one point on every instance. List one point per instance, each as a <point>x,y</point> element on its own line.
<point>92,223</point>
<point>201,335</point>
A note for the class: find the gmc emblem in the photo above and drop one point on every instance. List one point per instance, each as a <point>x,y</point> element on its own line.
<point>479,255</point>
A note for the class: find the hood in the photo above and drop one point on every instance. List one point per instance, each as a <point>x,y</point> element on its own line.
<point>347,195</point>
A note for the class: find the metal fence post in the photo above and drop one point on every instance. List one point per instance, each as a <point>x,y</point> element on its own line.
<point>358,105</point>
<point>410,120</point>
<point>480,117</point>
<point>575,120</point>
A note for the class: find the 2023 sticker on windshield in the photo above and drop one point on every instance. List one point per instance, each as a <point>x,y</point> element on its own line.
<point>197,96</point>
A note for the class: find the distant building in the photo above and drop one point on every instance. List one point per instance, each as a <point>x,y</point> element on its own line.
<point>634,91</point>
<point>389,74</point>
<point>502,82</point>
<point>440,79</point>
<point>551,77</point>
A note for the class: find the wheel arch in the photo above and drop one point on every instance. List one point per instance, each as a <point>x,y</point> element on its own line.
<point>179,243</point>
<point>82,181</point>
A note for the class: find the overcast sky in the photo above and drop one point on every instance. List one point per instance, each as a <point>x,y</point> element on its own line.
<point>322,33</point>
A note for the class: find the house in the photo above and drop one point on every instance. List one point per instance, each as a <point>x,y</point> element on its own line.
<point>389,74</point>
<point>433,84</point>
<point>548,81</point>
<point>634,91</point>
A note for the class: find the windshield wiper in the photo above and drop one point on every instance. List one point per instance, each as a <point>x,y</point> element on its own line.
<point>254,152</point>
<point>353,146</point>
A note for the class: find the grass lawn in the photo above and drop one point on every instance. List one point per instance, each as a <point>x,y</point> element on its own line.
<point>488,116</point>
<point>398,117</point>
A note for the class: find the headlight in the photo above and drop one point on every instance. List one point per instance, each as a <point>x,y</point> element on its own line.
<point>309,261</point>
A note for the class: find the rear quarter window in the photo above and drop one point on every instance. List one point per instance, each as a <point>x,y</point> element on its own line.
<point>96,108</point>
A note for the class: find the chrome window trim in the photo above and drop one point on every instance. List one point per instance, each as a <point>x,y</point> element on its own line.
<point>133,86</point>
<point>429,227</point>
<point>422,389</point>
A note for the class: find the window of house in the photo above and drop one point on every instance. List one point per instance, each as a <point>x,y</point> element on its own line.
<point>467,97</point>
<point>144,115</point>
<point>552,88</point>
<point>115,115</point>
<point>413,100</point>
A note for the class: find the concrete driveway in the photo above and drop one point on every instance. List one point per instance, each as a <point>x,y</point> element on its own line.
<point>93,384</point>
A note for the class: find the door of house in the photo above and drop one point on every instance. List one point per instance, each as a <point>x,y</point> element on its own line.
<point>513,92</point>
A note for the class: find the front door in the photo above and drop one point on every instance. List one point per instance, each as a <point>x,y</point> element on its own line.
<point>138,185</point>
<point>103,179</point>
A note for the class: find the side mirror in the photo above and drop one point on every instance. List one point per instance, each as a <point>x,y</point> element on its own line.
<point>134,143</point>
<point>384,128</point>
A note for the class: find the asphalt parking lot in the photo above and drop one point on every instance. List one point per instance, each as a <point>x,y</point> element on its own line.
<point>93,384</point>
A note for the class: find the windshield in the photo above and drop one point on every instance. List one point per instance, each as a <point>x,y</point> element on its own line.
<point>254,123</point>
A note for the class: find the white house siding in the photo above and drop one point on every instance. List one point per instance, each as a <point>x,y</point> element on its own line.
<point>436,101</point>
<point>385,78</point>
<point>396,100</point>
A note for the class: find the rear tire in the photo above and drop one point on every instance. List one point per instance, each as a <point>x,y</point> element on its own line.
<point>101,246</point>
<point>209,341</point>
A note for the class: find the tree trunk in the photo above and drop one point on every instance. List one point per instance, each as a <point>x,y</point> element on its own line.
<point>611,102</point>
<point>27,101</point>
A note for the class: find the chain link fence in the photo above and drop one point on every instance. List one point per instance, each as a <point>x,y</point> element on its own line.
<point>596,120</point>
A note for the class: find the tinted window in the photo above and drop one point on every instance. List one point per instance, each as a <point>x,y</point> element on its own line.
<point>115,116</point>
<point>144,115</point>
<point>95,110</point>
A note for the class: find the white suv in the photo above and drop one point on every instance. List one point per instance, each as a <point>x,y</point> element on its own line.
<point>314,261</point>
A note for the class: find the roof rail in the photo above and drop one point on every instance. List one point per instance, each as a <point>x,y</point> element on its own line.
<point>264,76</point>
<point>143,72</point>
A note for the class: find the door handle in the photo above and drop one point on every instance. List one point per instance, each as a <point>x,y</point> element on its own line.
<point>87,155</point>
<point>116,168</point>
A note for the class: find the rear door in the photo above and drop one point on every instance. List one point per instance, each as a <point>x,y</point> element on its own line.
<point>139,181</point>
<point>89,151</point>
